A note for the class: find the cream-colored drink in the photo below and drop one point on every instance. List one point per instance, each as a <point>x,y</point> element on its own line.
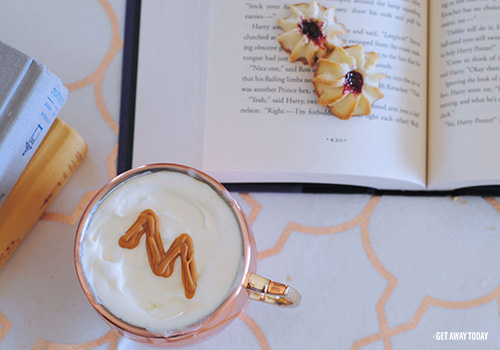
<point>126,276</point>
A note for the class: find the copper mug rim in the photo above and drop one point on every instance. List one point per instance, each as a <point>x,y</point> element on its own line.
<point>108,188</point>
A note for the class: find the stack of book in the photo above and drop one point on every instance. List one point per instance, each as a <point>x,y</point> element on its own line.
<point>38,151</point>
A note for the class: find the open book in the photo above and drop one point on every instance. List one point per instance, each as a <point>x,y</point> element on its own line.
<point>216,91</point>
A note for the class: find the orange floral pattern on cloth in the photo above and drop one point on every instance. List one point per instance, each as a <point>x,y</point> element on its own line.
<point>362,221</point>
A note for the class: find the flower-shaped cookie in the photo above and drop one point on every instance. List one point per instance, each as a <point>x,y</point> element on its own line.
<point>310,32</point>
<point>346,81</point>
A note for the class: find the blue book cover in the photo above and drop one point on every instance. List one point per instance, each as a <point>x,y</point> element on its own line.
<point>30,99</point>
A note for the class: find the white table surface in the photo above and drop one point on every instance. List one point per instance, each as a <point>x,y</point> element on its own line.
<point>374,272</point>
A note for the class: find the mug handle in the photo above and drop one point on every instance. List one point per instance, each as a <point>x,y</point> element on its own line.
<point>263,289</point>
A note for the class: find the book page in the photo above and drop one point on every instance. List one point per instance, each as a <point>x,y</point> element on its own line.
<point>464,109</point>
<point>262,120</point>
<point>171,82</point>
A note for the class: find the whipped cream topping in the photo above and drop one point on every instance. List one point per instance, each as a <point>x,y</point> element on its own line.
<point>122,280</point>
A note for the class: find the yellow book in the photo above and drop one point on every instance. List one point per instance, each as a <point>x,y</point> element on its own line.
<point>57,158</point>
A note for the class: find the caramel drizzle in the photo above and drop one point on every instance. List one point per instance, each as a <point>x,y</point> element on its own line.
<point>162,264</point>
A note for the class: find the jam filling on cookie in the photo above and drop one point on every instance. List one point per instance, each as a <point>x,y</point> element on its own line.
<point>353,82</point>
<point>312,29</point>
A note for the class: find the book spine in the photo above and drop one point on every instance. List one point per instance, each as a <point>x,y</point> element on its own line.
<point>27,116</point>
<point>57,158</point>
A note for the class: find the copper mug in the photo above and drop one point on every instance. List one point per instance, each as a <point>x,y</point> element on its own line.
<point>249,285</point>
